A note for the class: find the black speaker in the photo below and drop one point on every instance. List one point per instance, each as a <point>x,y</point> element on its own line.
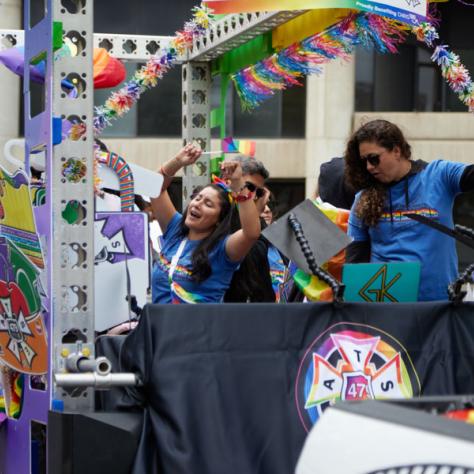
<point>373,437</point>
<point>94,443</point>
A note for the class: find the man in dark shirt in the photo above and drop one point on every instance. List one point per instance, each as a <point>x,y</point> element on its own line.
<point>252,281</point>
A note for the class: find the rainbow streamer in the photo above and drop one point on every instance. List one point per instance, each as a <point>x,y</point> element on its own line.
<point>120,102</point>
<point>285,69</point>
<point>246,147</point>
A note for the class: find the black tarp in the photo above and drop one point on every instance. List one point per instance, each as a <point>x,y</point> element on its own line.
<point>227,388</point>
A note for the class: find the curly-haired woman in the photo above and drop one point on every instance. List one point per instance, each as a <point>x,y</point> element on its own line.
<point>392,185</point>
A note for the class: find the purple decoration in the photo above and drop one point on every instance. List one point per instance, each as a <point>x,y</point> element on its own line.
<point>131,225</point>
<point>6,270</point>
<point>36,403</point>
<point>14,59</point>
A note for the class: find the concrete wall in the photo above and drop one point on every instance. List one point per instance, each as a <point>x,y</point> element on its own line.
<point>284,158</point>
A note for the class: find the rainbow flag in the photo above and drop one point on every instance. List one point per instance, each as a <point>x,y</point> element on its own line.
<point>246,147</point>
<point>312,287</point>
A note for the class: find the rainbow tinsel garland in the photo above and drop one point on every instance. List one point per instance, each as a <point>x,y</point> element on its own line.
<point>454,72</point>
<point>147,76</point>
<point>284,69</point>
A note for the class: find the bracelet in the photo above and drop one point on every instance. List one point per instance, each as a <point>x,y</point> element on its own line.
<point>240,197</point>
<point>162,171</point>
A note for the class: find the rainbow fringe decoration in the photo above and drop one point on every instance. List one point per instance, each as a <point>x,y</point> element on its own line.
<point>120,102</point>
<point>285,69</point>
<point>454,72</point>
<point>257,83</point>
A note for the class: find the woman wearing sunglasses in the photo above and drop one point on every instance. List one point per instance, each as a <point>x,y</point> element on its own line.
<point>199,253</point>
<point>392,185</point>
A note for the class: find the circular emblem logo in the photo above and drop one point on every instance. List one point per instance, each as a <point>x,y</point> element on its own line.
<point>352,361</point>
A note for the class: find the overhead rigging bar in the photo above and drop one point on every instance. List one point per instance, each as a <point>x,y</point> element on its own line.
<point>226,34</point>
<point>234,30</point>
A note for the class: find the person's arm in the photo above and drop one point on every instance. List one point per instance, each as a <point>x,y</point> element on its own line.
<point>162,207</point>
<point>240,242</point>
<point>467,179</point>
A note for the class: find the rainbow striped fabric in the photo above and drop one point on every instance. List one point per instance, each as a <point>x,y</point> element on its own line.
<point>125,176</point>
<point>15,381</point>
<point>312,287</point>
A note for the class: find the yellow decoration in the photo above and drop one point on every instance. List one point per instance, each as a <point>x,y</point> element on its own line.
<point>306,25</point>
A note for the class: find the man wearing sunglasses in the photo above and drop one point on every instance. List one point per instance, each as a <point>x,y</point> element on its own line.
<point>252,281</point>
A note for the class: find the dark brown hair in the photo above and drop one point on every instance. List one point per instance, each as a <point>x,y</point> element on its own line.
<point>387,135</point>
<point>201,268</point>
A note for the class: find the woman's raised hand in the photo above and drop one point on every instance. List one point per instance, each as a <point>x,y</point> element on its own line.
<point>188,155</point>
<point>232,171</point>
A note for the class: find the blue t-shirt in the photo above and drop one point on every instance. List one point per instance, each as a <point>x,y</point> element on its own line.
<point>397,238</point>
<point>183,289</point>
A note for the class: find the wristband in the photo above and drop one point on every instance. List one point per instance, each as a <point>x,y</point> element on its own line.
<point>240,197</point>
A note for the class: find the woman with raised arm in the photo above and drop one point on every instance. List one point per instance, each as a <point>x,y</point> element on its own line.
<point>392,186</point>
<point>199,253</point>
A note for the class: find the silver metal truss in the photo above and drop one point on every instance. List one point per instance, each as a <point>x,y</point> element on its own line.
<point>137,48</point>
<point>235,30</point>
<point>226,34</point>
<point>72,243</point>
<point>133,48</point>
<point>196,118</point>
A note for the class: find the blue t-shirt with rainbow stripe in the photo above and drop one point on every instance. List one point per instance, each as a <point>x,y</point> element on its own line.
<point>183,289</point>
<point>397,238</point>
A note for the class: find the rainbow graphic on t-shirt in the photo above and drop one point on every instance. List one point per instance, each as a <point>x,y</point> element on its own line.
<point>400,216</point>
<point>165,264</point>
<point>179,295</point>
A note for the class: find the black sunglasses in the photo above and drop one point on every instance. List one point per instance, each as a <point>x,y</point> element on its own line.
<point>259,192</point>
<point>372,158</point>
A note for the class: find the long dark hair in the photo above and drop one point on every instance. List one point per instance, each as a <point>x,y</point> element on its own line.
<point>387,135</point>
<point>201,268</point>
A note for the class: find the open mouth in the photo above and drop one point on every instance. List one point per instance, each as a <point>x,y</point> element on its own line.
<point>194,214</point>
